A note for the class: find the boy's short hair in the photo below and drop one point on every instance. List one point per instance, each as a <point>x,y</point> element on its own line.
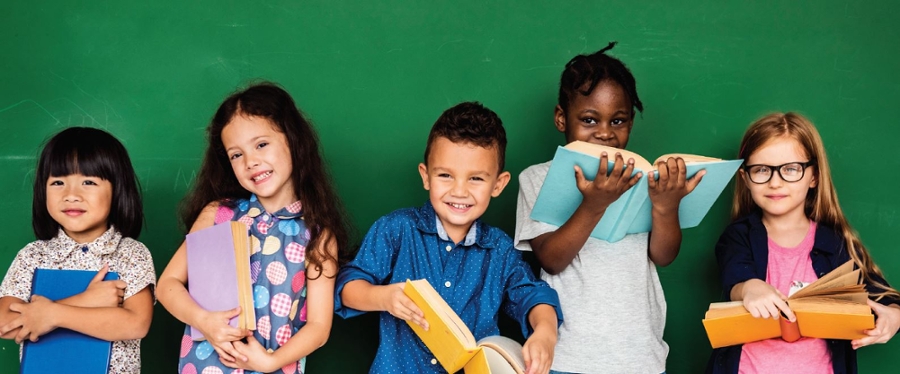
<point>584,72</point>
<point>470,122</point>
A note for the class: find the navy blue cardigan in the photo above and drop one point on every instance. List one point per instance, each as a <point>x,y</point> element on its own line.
<point>743,254</point>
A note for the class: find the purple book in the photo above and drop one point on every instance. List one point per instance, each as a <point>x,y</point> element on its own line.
<point>218,264</point>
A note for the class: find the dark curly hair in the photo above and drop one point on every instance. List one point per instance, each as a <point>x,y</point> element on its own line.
<point>584,72</point>
<point>470,122</point>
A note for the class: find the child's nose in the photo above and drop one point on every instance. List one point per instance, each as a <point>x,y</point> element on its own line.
<point>71,194</point>
<point>603,132</point>
<point>459,188</point>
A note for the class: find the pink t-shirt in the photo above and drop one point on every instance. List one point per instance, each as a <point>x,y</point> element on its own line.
<point>776,355</point>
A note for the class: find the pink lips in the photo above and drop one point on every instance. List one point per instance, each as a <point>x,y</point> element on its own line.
<point>73,212</point>
<point>776,197</point>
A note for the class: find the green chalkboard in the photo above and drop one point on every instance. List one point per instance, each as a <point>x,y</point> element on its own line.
<point>373,76</point>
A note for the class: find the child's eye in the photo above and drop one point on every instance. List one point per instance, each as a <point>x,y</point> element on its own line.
<point>477,179</point>
<point>234,156</point>
<point>56,183</point>
<point>262,145</point>
<point>589,120</point>
<point>618,122</point>
<point>443,175</point>
<point>89,183</point>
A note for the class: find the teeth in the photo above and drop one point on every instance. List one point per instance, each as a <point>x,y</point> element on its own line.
<point>262,176</point>
<point>459,206</point>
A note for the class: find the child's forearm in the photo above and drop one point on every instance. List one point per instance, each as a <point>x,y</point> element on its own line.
<point>542,318</point>
<point>132,321</point>
<point>665,237</point>
<point>556,250</point>
<point>7,316</point>
<point>174,296</point>
<point>362,295</point>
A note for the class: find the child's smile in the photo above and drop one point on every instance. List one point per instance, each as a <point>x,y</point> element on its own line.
<point>80,205</point>
<point>260,159</point>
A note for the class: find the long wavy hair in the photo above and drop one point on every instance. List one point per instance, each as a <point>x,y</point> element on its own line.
<point>821,201</point>
<point>322,209</point>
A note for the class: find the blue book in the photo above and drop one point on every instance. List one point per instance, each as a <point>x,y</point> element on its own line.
<point>631,213</point>
<point>64,350</point>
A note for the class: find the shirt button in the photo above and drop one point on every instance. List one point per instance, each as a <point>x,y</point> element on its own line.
<point>447,284</point>
<point>433,361</point>
<point>449,248</point>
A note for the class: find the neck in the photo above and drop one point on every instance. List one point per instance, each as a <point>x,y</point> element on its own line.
<point>788,222</point>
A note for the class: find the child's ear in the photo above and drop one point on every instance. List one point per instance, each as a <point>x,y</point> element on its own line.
<point>815,178</point>
<point>502,181</point>
<point>423,172</point>
<point>559,118</point>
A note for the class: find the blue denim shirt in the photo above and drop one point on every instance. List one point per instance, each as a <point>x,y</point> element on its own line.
<point>477,277</point>
<point>743,254</point>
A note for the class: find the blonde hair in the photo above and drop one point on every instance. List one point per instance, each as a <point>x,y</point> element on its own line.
<point>821,201</point>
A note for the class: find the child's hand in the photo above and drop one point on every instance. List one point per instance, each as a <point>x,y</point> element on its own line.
<point>258,358</point>
<point>215,327</point>
<point>673,185</point>
<point>401,306</point>
<point>35,319</point>
<point>538,352</point>
<point>605,189</point>
<point>764,301</point>
<point>100,293</point>
<point>886,325</point>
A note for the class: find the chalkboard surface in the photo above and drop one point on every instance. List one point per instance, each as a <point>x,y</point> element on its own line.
<point>373,76</point>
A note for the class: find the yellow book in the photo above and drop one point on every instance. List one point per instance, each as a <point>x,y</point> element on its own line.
<point>453,344</point>
<point>832,307</point>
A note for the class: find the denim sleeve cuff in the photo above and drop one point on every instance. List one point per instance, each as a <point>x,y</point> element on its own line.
<point>347,275</point>
<point>539,295</point>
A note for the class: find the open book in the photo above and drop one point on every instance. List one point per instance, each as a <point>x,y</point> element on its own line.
<point>63,349</point>
<point>451,342</point>
<point>218,262</point>
<point>631,213</point>
<point>832,307</point>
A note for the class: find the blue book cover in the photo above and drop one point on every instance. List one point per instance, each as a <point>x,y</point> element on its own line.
<point>631,213</point>
<point>64,350</point>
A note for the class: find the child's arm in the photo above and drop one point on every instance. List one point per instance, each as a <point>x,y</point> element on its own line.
<point>538,349</point>
<point>362,295</point>
<point>556,250</point>
<point>314,334</point>
<point>99,293</point>
<point>886,325</point>
<point>666,194</point>
<point>174,296</point>
<point>41,315</point>
<point>7,315</point>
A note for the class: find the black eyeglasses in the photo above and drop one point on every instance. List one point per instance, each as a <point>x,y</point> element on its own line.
<point>789,172</point>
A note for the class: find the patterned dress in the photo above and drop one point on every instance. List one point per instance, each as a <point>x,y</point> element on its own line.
<point>277,268</point>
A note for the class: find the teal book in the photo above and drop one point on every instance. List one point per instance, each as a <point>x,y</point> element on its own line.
<point>631,213</point>
<point>64,350</point>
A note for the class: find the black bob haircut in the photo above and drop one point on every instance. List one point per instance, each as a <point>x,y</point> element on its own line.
<point>584,72</point>
<point>470,122</point>
<point>94,153</point>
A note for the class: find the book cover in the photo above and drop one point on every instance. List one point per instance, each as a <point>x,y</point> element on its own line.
<point>631,213</point>
<point>63,349</point>
<point>218,261</point>
<point>832,307</point>
<point>453,344</point>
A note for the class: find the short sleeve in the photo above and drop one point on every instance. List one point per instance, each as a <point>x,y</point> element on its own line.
<point>17,282</point>
<point>135,267</point>
<point>530,182</point>
<point>373,263</point>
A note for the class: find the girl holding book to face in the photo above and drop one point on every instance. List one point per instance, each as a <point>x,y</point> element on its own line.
<point>597,102</point>
<point>86,215</point>
<point>262,167</point>
<point>788,227</point>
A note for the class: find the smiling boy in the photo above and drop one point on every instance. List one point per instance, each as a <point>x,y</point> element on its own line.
<point>473,266</point>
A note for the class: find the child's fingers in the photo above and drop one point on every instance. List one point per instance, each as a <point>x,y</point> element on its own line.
<point>603,168</point>
<point>580,180</point>
<point>695,180</point>
<point>100,274</point>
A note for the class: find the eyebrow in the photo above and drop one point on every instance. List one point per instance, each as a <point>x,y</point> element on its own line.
<point>594,112</point>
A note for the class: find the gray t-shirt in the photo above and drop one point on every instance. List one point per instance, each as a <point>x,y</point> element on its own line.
<point>611,298</point>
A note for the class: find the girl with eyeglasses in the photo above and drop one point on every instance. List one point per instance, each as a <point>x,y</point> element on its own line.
<point>788,226</point>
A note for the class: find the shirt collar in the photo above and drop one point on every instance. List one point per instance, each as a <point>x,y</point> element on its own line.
<point>826,239</point>
<point>293,210</point>
<point>427,221</point>
<point>61,246</point>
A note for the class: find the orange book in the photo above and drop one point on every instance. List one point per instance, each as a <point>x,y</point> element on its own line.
<point>832,307</point>
<point>453,344</point>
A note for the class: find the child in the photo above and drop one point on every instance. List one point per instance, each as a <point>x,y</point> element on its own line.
<point>86,215</point>
<point>472,265</point>
<point>788,226</point>
<point>615,308</point>
<point>262,167</point>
